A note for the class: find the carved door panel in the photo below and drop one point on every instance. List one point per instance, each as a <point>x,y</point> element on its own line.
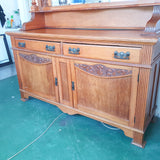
<point>107,91</point>
<point>64,81</point>
<point>38,74</point>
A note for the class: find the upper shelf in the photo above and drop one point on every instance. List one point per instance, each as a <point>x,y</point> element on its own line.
<point>142,15</point>
<point>46,5</point>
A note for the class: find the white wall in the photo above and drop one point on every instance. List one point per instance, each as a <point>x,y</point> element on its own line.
<point>9,6</point>
<point>24,7</point>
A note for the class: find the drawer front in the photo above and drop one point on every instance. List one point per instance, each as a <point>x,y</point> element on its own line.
<point>121,54</point>
<point>42,46</point>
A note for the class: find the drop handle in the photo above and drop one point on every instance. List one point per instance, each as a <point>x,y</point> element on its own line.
<point>73,87</point>
<point>56,81</point>
<point>74,50</point>
<point>22,44</point>
<point>50,48</point>
<point>121,55</point>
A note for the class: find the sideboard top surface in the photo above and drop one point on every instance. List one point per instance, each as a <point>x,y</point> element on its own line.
<point>128,36</point>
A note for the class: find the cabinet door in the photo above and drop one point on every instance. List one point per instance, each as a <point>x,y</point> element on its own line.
<point>64,81</point>
<point>107,91</point>
<point>38,75</point>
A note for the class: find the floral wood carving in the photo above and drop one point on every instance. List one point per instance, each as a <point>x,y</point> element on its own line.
<point>103,71</point>
<point>35,59</point>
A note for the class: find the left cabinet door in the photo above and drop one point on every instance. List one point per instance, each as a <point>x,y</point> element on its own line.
<point>38,75</point>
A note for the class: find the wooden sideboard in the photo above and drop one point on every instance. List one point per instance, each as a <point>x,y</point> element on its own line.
<point>101,61</point>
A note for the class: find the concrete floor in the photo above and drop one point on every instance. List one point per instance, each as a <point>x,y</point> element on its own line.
<point>7,71</point>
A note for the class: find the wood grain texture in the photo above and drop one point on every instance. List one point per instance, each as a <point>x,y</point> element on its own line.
<point>37,22</point>
<point>134,88</point>
<point>146,54</point>
<point>142,98</point>
<point>102,52</point>
<point>38,45</point>
<point>24,96</point>
<point>13,42</point>
<point>127,18</point>
<point>100,67</point>
<point>88,59</point>
<point>138,140</point>
<point>64,80</point>
<point>55,77</point>
<point>43,83</point>
<point>95,87</point>
<point>114,37</point>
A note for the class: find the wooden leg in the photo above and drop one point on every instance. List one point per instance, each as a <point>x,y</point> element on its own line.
<point>24,97</point>
<point>138,140</point>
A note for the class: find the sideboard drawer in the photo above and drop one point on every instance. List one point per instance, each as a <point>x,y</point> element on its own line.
<point>42,46</point>
<point>121,54</point>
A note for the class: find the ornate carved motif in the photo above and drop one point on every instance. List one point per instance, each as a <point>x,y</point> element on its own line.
<point>151,26</point>
<point>35,59</point>
<point>103,71</point>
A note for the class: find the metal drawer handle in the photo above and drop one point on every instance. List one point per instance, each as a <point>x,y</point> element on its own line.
<point>121,55</point>
<point>21,44</point>
<point>56,81</point>
<point>50,48</point>
<point>73,88</point>
<point>74,50</point>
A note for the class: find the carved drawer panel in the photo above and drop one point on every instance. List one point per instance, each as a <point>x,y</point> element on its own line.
<point>42,46</point>
<point>111,53</point>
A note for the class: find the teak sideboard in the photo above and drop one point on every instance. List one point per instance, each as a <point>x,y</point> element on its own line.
<point>98,60</point>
